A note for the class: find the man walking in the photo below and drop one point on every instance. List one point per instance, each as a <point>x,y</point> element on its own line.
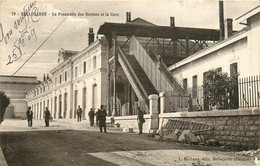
<point>79,113</point>
<point>29,114</point>
<point>47,115</point>
<point>102,119</point>
<point>91,115</point>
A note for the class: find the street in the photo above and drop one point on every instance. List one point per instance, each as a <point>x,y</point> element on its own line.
<point>75,143</point>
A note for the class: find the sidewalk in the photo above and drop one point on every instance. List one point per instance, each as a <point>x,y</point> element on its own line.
<point>14,125</point>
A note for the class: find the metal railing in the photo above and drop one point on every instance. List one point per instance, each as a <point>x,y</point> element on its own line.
<point>245,93</point>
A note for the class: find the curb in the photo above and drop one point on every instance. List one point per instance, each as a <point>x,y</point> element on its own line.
<point>2,158</point>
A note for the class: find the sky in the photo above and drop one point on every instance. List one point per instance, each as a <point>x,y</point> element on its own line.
<point>19,40</point>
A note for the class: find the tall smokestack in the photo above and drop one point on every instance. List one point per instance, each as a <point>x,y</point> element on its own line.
<point>128,16</point>
<point>228,27</point>
<point>91,36</point>
<point>172,22</point>
<point>221,19</point>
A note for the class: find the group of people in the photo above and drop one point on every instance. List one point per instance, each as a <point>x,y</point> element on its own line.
<point>47,116</point>
<point>100,118</point>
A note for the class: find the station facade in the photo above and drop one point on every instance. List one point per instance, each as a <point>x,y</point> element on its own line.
<point>78,80</point>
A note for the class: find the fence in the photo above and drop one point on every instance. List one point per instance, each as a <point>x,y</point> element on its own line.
<point>244,93</point>
<point>249,89</point>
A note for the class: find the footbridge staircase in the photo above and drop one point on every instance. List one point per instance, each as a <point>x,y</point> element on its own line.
<point>146,73</point>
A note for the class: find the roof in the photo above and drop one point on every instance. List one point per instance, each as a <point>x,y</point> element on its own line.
<point>140,21</point>
<point>18,79</point>
<point>67,53</point>
<point>248,14</point>
<point>141,30</point>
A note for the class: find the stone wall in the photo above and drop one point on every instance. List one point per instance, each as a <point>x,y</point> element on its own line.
<point>131,122</point>
<point>238,128</point>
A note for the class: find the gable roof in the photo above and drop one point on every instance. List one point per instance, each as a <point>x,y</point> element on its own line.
<point>140,21</point>
<point>65,54</point>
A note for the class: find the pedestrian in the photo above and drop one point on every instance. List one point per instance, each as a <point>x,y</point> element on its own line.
<point>47,115</point>
<point>102,118</point>
<point>91,115</point>
<point>79,113</point>
<point>29,114</point>
<point>140,119</point>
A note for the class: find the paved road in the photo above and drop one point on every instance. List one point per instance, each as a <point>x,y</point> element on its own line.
<point>73,143</point>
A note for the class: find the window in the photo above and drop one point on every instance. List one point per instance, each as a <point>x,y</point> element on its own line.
<point>75,102</point>
<point>84,99</point>
<point>94,96</point>
<point>48,104</point>
<point>234,99</point>
<point>60,78</point>
<point>66,76</point>
<point>76,72</point>
<point>40,110</point>
<point>84,67</point>
<point>60,105</point>
<point>205,98</point>
<point>65,105</point>
<point>185,84</point>
<point>55,106</point>
<point>233,69</point>
<point>94,62</point>
<point>194,86</point>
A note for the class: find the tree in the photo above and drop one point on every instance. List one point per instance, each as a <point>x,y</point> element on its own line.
<point>4,102</point>
<point>217,87</point>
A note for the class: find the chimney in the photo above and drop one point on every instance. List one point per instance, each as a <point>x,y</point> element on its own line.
<point>128,16</point>
<point>172,22</point>
<point>221,19</point>
<point>48,77</point>
<point>44,77</point>
<point>228,27</point>
<point>91,36</point>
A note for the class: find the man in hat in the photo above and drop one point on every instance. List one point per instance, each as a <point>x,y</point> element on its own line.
<point>47,115</point>
<point>79,113</point>
<point>91,115</point>
<point>29,114</point>
<point>102,118</point>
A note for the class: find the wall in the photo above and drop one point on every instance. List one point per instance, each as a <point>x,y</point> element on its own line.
<point>16,88</point>
<point>234,53</point>
<point>239,128</point>
<point>254,41</point>
<point>131,122</point>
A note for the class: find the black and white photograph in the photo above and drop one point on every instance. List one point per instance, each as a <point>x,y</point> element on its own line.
<point>130,83</point>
